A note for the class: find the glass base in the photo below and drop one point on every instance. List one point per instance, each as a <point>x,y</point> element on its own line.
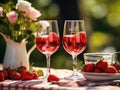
<point>74,77</point>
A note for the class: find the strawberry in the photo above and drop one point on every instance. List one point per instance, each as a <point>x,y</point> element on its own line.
<point>26,75</point>
<point>102,64</point>
<point>53,39</point>
<point>5,71</point>
<point>11,72</point>
<point>2,76</point>
<point>111,69</point>
<point>89,67</point>
<point>53,35</point>
<point>52,77</point>
<point>16,76</point>
<point>82,36</point>
<point>97,70</point>
<point>117,66</point>
<point>35,75</point>
<point>22,68</point>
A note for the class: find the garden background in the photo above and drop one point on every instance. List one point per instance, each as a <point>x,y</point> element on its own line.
<point>102,20</point>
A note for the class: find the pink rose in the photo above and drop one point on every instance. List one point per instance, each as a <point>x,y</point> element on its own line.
<point>1,11</point>
<point>33,14</point>
<point>12,17</point>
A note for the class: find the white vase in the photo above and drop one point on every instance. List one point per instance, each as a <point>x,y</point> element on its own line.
<point>16,54</point>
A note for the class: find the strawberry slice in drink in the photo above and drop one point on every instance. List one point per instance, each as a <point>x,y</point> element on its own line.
<point>54,38</point>
<point>81,37</point>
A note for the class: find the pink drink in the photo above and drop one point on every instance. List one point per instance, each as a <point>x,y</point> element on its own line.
<point>48,44</point>
<point>75,44</point>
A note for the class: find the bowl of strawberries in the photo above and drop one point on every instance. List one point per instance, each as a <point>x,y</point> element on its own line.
<point>101,69</point>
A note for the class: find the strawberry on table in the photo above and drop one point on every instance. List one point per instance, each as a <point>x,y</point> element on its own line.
<point>52,77</point>
<point>16,76</point>
<point>26,75</point>
<point>35,75</point>
<point>89,67</point>
<point>5,71</point>
<point>11,72</point>
<point>102,64</point>
<point>22,68</point>
<point>2,76</point>
<point>111,69</point>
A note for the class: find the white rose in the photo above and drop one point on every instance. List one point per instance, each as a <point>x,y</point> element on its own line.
<point>33,14</point>
<point>23,6</point>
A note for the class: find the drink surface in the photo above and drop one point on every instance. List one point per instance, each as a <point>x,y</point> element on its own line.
<point>74,44</point>
<point>48,44</point>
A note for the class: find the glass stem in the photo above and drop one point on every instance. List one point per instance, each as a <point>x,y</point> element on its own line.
<point>48,65</point>
<point>74,65</point>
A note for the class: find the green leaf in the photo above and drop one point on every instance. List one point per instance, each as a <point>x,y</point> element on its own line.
<point>80,65</point>
<point>16,27</point>
<point>40,72</point>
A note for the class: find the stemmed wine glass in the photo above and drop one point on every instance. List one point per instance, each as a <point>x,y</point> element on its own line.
<point>74,42</point>
<point>47,40</point>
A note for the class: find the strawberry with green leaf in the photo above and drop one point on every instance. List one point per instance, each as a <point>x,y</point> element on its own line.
<point>22,69</point>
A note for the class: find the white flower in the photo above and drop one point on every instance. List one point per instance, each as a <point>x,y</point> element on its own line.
<point>12,17</point>
<point>33,14</point>
<point>23,6</point>
<point>1,11</point>
<point>44,24</point>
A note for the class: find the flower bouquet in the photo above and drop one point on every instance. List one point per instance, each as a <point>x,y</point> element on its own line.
<point>18,21</point>
<point>17,26</point>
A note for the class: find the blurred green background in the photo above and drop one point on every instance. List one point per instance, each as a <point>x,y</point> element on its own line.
<point>102,20</point>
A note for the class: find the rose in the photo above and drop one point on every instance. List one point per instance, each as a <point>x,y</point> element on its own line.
<point>33,14</point>
<point>12,17</point>
<point>23,6</point>
<point>29,11</point>
<point>1,11</point>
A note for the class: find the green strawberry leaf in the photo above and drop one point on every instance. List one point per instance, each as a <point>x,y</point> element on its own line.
<point>40,72</point>
<point>80,65</point>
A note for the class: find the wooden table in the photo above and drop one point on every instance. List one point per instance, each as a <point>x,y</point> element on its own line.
<point>82,84</point>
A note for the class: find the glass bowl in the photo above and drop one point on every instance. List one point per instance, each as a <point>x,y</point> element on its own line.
<point>95,57</point>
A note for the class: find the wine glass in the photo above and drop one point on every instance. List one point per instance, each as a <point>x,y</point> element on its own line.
<point>74,42</point>
<point>47,40</point>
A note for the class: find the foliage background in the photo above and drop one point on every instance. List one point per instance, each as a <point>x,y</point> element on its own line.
<point>102,19</point>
